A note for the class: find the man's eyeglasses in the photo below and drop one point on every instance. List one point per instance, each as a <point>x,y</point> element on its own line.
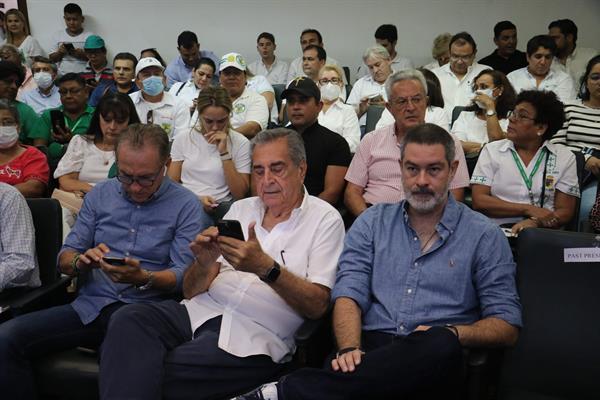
<point>143,181</point>
<point>461,58</point>
<point>518,116</point>
<point>74,91</point>
<point>325,81</point>
<point>402,102</point>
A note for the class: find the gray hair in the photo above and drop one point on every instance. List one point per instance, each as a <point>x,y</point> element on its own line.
<point>404,75</point>
<point>430,134</point>
<point>295,143</point>
<point>441,44</point>
<point>139,135</point>
<point>6,105</point>
<point>376,51</point>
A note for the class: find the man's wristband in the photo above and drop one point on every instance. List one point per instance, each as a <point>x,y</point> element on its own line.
<point>74,264</point>
<point>347,350</point>
<point>225,156</point>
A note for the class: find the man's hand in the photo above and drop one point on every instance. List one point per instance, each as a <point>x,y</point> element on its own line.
<point>526,223</point>
<point>348,361</point>
<point>61,135</point>
<point>593,165</point>
<point>131,272</point>
<point>246,256</point>
<point>91,257</point>
<point>205,246</point>
<point>209,204</point>
<point>539,213</point>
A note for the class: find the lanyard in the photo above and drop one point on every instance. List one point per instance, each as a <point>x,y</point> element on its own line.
<point>76,123</point>
<point>528,180</point>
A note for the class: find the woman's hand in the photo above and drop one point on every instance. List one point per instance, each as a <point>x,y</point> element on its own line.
<point>209,204</point>
<point>487,101</point>
<point>526,223</point>
<point>593,165</point>
<point>218,138</point>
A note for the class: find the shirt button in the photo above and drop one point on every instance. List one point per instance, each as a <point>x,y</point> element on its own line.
<point>409,291</point>
<point>132,230</point>
<point>415,238</point>
<point>127,254</point>
<point>416,264</point>
<point>402,328</point>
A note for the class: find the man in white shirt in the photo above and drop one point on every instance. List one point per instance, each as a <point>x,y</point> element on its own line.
<point>271,67</point>
<point>45,96</point>
<point>387,36</point>
<point>538,75</point>
<point>153,104</point>
<point>67,44</point>
<point>308,37</point>
<point>250,113</point>
<point>569,58</point>
<point>456,77</point>
<point>313,59</point>
<point>244,299</point>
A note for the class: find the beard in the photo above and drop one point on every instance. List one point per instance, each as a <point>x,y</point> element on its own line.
<point>424,200</point>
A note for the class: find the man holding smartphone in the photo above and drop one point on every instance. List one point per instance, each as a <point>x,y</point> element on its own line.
<point>67,44</point>
<point>141,217</point>
<point>244,299</point>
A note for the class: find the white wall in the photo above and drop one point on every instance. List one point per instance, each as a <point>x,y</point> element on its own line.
<point>347,25</point>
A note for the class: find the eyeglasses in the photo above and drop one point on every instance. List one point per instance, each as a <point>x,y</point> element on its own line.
<point>402,102</point>
<point>461,58</point>
<point>8,122</point>
<point>143,181</point>
<point>518,116</point>
<point>325,81</point>
<point>74,91</point>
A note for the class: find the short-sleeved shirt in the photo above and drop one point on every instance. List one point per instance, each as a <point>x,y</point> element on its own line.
<point>558,82</point>
<point>250,106</point>
<point>105,74</point>
<point>469,128</point>
<point>457,92</point>
<point>43,129</point>
<point>256,320</point>
<point>84,157</point>
<point>202,169</point>
<point>31,164</point>
<point>179,71</point>
<point>260,85</point>
<point>497,169</point>
<point>170,113</point>
<point>365,87</point>
<point>516,60</point>
<point>68,62</point>
<point>40,102</point>
<point>581,130</point>
<point>323,148</point>
<point>376,167</point>
<point>341,119</point>
<point>185,91</point>
<point>433,115</point>
<point>276,74</point>
<point>576,62</point>
<point>28,121</point>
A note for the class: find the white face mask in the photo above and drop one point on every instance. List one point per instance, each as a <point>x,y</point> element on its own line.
<point>488,92</point>
<point>43,79</point>
<point>330,91</point>
<point>8,136</point>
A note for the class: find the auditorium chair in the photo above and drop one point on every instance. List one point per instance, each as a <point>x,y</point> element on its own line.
<point>373,115</point>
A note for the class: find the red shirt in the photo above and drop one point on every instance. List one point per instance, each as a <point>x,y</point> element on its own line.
<point>31,164</point>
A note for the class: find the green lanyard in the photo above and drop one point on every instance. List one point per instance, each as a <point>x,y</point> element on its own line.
<point>529,179</point>
<point>76,123</point>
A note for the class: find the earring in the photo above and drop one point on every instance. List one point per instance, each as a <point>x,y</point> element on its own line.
<point>540,133</point>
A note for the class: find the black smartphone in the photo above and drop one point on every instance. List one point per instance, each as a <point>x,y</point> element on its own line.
<point>230,228</point>
<point>92,82</point>
<point>116,261</point>
<point>69,47</point>
<point>58,119</point>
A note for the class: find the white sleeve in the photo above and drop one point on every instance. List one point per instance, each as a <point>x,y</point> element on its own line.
<point>386,119</point>
<point>354,97</point>
<point>74,157</point>
<point>460,129</point>
<point>175,87</point>
<point>484,171</point>
<point>55,42</point>
<point>258,111</point>
<point>568,183</point>
<point>351,129</point>
<point>178,148</point>
<point>281,77</point>
<point>241,155</point>
<point>182,119</point>
<point>565,90</point>
<point>328,245</point>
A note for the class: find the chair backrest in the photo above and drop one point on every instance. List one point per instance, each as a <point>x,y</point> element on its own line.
<point>347,73</point>
<point>47,220</point>
<point>455,113</point>
<point>373,115</point>
<point>278,88</point>
<point>558,351</point>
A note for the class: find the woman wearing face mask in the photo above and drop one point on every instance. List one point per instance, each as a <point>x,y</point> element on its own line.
<point>335,115</point>
<point>24,167</point>
<point>212,160</point>
<point>485,120</point>
<point>202,75</point>
<point>17,34</point>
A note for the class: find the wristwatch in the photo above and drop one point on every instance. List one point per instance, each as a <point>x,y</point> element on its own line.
<point>490,113</point>
<point>273,273</point>
<point>150,283</point>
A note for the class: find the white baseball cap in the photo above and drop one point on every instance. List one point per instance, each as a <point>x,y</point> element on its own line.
<point>148,62</point>
<point>232,60</point>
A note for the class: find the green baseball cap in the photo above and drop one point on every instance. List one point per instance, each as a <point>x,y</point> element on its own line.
<point>94,42</point>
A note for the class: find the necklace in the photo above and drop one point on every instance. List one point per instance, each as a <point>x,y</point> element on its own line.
<point>424,246</point>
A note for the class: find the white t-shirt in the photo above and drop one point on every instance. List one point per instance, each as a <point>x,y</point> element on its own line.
<point>256,320</point>
<point>202,168</point>
<point>260,85</point>
<point>556,81</point>
<point>457,92</point>
<point>276,74</point>
<point>170,113</point>
<point>31,48</point>
<point>433,115</point>
<point>365,87</point>
<point>69,63</point>
<point>85,157</point>
<point>185,91</point>
<point>469,128</point>
<point>341,118</point>
<point>250,106</point>
<point>497,169</point>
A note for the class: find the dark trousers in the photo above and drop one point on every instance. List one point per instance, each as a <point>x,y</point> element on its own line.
<point>420,365</point>
<point>149,353</point>
<point>29,336</point>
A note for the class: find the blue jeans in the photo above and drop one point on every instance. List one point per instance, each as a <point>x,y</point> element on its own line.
<point>36,334</point>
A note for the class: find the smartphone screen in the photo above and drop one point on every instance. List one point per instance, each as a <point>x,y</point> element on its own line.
<point>116,261</point>
<point>58,119</point>
<point>69,47</point>
<point>230,228</point>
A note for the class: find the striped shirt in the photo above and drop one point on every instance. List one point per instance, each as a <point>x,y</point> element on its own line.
<point>376,167</point>
<point>581,131</point>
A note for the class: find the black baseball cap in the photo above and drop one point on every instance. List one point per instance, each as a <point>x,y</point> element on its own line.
<point>303,85</point>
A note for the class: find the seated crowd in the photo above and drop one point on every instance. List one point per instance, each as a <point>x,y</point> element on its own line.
<point>207,217</point>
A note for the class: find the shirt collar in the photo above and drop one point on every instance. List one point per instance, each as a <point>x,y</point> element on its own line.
<point>53,91</point>
<point>449,220</point>
<point>162,189</point>
<point>509,145</point>
<point>261,208</point>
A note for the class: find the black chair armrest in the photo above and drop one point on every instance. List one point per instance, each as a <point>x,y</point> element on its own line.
<point>307,330</point>
<point>41,297</point>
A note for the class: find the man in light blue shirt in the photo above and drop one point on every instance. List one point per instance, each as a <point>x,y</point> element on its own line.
<point>46,95</point>
<point>180,69</point>
<point>130,244</point>
<point>417,280</point>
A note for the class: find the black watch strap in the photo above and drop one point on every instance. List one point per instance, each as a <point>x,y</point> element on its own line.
<point>273,273</point>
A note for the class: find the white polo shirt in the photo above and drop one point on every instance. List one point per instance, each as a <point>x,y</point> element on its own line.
<point>256,320</point>
<point>558,82</point>
<point>457,92</point>
<point>433,115</point>
<point>185,91</point>
<point>576,63</point>
<point>202,169</point>
<point>469,128</point>
<point>365,87</point>
<point>276,74</point>
<point>341,119</point>
<point>250,106</point>
<point>260,85</point>
<point>497,169</point>
<point>170,113</point>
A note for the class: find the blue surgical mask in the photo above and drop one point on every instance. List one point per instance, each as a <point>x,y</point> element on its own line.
<point>153,85</point>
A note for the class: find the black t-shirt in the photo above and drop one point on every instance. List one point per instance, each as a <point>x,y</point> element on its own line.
<point>517,60</point>
<point>323,148</point>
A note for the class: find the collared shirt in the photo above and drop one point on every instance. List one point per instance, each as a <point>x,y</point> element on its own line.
<point>467,275</point>
<point>179,71</point>
<point>556,81</point>
<point>399,63</point>
<point>41,102</point>
<point>433,115</point>
<point>277,73</point>
<point>296,69</point>
<point>256,320</point>
<point>457,92</point>
<point>469,128</point>
<point>18,260</point>
<point>157,233</point>
<point>185,91</point>
<point>516,60</point>
<point>170,113</point>
<point>28,83</point>
<point>84,157</point>
<point>497,169</point>
<point>376,167</point>
<point>105,74</point>
<point>28,121</point>
<point>576,63</point>
<point>365,87</point>
<point>581,130</point>
<point>250,106</point>
<point>341,119</point>
<point>107,87</point>
<point>261,85</point>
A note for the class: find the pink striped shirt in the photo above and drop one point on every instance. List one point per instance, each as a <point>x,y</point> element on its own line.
<point>376,167</point>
